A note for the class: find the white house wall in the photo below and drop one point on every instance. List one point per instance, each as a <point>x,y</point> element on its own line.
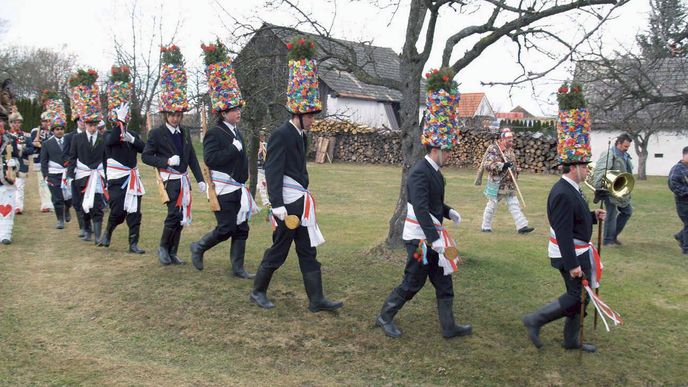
<point>371,113</point>
<point>664,150</point>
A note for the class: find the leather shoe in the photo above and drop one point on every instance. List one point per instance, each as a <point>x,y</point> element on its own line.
<point>525,230</point>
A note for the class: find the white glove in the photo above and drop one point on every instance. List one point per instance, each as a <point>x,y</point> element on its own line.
<point>11,163</point>
<point>21,147</point>
<point>128,137</point>
<point>121,111</point>
<point>438,246</point>
<point>455,216</point>
<point>237,144</point>
<point>202,187</point>
<point>279,213</point>
<point>173,161</point>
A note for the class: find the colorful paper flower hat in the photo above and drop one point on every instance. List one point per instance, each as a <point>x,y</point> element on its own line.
<point>54,109</point>
<point>172,81</point>
<point>85,96</point>
<point>441,119</point>
<point>303,95</point>
<point>573,126</point>
<point>118,91</point>
<point>222,83</point>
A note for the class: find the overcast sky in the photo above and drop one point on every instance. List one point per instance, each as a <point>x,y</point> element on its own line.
<point>86,28</point>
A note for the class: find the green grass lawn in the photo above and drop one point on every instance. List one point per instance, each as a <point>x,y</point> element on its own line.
<point>72,313</point>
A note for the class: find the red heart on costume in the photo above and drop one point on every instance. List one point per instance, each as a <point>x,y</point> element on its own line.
<point>5,209</point>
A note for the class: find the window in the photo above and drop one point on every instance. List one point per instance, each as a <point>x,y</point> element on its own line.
<point>659,155</point>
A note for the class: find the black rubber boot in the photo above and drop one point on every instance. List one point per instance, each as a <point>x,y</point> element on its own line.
<point>201,246</point>
<point>67,213</point>
<point>134,240</point>
<point>236,257</point>
<point>80,219</point>
<point>164,249</point>
<point>445,311</point>
<point>105,240</point>
<point>389,309</point>
<point>97,231</point>
<point>314,289</point>
<point>88,231</point>
<point>260,287</point>
<point>546,314</point>
<point>174,247</point>
<point>572,335</point>
<point>59,213</point>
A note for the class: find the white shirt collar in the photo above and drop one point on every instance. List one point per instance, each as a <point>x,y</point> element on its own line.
<point>297,129</point>
<point>432,162</point>
<point>172,129</point>
<point>231,127</point>
<point>573,183</point>
<point>94,135</point>
<point>79,131</point>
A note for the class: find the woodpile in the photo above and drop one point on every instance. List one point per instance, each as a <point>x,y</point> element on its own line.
<point>355,143</point>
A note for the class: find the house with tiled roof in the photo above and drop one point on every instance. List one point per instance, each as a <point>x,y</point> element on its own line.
<point>668,77</point>
<point>342,94</point>
<point>472,105</point>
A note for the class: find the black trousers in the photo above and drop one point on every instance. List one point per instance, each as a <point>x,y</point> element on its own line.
<point>56,196</point>
<point>570,301</point>
<point>415,274</point>
<point>174,213</point>
<point>76,199</point>
<point>282,237</point>
<point>682,210</point>
<point>95,214</point>
<point>230,204</point>
<point>117,213</point>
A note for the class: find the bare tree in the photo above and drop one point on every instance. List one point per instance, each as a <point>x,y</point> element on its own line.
<point>139,49</point>
<point>522,23</point>
<point>35,69</point>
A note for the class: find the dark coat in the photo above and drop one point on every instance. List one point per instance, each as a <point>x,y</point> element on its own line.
<point>286,156</point>
<point>220,155</point>
<point>425,192</point>
<point>160,147</point>
<point>122,151</point>
<point>570,217</point>
<point>82,150</point>
<point>50,151</point>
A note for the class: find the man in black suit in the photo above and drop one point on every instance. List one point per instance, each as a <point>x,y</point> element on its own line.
<point>76,195</point>
<point>124,182</point>
<point>570,252</point>
<point>287,180</point>
<point>54,157</point>
<point>425,211</point>
<point>86,167</point>
<point>169,149</point>
<point>225,156</point>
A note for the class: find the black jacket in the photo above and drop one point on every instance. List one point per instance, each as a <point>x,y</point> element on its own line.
<point>160,147</point>
<point>122,151</point>
<point>50,151</point>
<point>425,192</point>
<point>82,150</point>
<point>220,155</point>
<point>678,182</point>
<point>286,156</point>
<point>570,217</point>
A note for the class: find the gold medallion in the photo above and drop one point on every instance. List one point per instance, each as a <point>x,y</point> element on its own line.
<point>292,222</point>
<point>451,252</point>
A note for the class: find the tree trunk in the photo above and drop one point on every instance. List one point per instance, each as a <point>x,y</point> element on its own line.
<point>642,163</point>
<point>410,143</point>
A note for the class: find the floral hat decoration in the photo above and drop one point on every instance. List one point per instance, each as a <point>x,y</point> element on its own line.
<point>222,83</point>
<point>441,119</point>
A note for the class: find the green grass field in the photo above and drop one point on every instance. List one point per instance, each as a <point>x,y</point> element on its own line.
<point>75,314</point>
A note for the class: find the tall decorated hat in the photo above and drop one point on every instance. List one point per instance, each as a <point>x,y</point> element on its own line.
<point>303,95</point>
<point>573,126</point>
<point>222,83</point>
<point>441,120</point>
<point>85,95</point>
<point>118,91</point>
<point>54,109</point>
<point>172,81</point>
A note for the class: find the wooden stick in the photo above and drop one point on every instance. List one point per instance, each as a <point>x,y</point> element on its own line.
<point>513,178</point>
<point>10,175</point>
<point>581,331</point>
<point>600,226</point>
<point>210,191</point>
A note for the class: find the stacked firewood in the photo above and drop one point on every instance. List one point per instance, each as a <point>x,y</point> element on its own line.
<point>361,144</point>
